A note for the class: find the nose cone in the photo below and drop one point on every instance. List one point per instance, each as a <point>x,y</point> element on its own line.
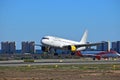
<point>118,54</point>
<point>43,41</point>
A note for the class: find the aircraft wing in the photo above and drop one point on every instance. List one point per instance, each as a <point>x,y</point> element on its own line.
<point>74,47</point>
<point>84,45</point>
<point>87,45</point>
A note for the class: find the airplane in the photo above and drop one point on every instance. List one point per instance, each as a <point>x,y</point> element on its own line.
<point>98,54</point>
<point>51,42</point>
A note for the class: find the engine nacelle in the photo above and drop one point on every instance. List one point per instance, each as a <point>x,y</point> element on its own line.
<point>98,57</point>
<point>72,48</point>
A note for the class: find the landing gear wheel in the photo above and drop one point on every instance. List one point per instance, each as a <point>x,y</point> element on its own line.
<point>94,58</point>
<point>72,53</point>
<point>45,49</point>
<point>55,54</point>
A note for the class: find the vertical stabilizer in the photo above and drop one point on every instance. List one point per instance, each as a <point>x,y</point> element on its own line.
<point>84,37</point>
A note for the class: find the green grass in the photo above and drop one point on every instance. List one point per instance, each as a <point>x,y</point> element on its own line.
<point>96,67</point>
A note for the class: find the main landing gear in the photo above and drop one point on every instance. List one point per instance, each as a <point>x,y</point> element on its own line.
<point>49,50</point>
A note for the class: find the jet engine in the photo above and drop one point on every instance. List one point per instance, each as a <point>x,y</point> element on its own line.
<point>97,57</point>
<point>72,48</point>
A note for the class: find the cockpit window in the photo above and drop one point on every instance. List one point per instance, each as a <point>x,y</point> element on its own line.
<point>45,38</point>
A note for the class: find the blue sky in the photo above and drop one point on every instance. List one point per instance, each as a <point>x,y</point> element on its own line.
<point>30,20</point>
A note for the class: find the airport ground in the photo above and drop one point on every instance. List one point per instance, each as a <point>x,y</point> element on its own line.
<point>61,72</point>
<point>60,69</point>
<point>13,67</point>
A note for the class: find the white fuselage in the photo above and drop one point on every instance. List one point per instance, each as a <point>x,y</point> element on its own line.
<point>100,53</point>
<point>58,42</point>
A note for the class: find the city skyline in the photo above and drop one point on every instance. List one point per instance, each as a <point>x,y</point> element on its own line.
<point>29,20</point>
<point>29,47</point>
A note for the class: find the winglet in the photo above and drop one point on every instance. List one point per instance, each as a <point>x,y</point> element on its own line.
<point>84,37</point>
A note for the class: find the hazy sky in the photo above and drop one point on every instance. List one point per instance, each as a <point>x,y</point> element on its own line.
<point>30,20</point>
